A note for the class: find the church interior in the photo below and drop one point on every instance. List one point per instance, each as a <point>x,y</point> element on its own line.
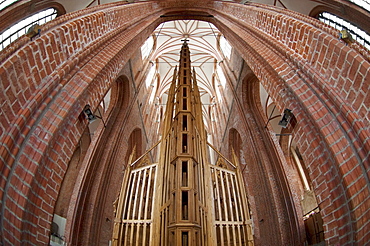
<point>181,123</point>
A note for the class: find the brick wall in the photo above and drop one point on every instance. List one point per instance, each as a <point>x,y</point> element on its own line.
<point>304,67</point>
<point>44,85</point>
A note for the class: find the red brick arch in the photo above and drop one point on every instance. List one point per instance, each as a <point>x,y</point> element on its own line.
<point>304,72</point>
<point>98,172</point>
<point>71,65</point>
<point>301,63</point>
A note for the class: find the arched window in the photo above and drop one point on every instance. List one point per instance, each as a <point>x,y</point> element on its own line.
<point>134,141</point>
<point>147,47</point>
<point>21,28</point>
<point>359,35</point>
<point>235,142</point>
<point>6,3</point>
<point>225,47</point>
<point>362,3</point>
<point>221,76</point>
<point>150,77</point>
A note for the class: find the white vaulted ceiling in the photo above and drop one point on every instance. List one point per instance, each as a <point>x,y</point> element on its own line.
<point>202,40</point>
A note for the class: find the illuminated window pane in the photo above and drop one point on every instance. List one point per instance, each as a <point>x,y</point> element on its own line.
<point>340,24</point>
<point>20,28</point>
<point>6,3</point>
<point>150,76</point>
<point>225,47</point>
<point>49,12</point>
<point>22,32</point>
<point>221,76</point>
<point>218,93</point>
<point>362,3</point>
<point>42,21</point>
<point>6,42</point>
<point>147,47</point>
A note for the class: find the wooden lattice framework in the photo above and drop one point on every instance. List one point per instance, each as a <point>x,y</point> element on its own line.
<point>183,199</point>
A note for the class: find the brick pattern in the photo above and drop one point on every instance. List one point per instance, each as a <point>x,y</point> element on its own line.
<point>275,212</point>
<point>44,85</point>
<point>300,63</point>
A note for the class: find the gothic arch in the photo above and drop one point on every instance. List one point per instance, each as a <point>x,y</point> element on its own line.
<point>134,141</point>
<point>99,170</point>
<point>275,77</point>
<point>235,142</point>
<point>269,174</point>
<point>42,130</point>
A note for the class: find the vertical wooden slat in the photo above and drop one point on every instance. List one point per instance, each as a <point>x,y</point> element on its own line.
<point>142,193</point>
<point>224,201</point>
<point>227,198</point>
<point>121,239</point>
<point>166,214</point>
<point>136,199</point>
<point>240,208</point>
<point>229,188</point>
<point>236,198</point>
<point>237,233</point>
<point>145,225</point>
<point>165,178</point>
<point>140,205</point>
<point>242,236</point>
<point>236,202</point>
<point>136,188</point>
<point>128,227</point>
<point>147,201</point>
<point>127,230</point>
<point>218,195</point>
<point>134,180</point>
<point>137,243</point>
<point>219,205</point>
<point>162,230</point>
<point>201,184</point>
<point>132,232</point>
<point>127,197</point>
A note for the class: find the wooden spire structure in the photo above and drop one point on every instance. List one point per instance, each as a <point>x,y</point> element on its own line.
<point>183,199</point>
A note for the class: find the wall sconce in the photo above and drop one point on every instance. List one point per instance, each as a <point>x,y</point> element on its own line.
<point>346,36</point>
<point>89,114</point>
<point>33,31</point>
<point>286,118</point>
<point>92,117</point>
